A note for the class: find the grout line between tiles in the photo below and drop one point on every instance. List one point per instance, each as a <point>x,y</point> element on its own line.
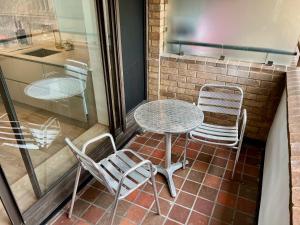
<point>205,174</point>
<point>217,195</point>
<point>176,197</point>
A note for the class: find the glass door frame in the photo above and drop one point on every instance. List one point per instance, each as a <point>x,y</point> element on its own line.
<point>12,115</point>
<point>9,202</point>
<point>121,125</point>
<point>127,119</point>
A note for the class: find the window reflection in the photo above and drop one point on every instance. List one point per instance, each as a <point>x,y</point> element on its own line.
<point>50,56</point>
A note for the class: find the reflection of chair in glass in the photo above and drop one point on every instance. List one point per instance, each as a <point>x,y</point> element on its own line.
<point>27,135</point>
<point>80,71</point>
<point>118,172</point>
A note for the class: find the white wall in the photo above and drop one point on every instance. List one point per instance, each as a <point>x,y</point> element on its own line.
<point>274,206</point>
<point>70,19</point>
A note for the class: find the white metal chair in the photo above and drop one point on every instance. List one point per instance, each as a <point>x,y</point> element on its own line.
<point>118,172</point>
<point>227,101</point>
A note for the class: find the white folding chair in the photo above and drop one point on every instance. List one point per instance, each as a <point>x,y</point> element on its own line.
<point>227,101</point>
<point>118,172</point>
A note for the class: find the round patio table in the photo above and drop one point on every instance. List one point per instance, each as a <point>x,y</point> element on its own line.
<point>169,117</point>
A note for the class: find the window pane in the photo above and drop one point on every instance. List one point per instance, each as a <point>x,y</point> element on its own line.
<point>263,24</point>
<point>51,60</point>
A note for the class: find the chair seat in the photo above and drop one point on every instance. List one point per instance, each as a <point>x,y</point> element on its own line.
<point>215,134</point>
<point>115,165</point>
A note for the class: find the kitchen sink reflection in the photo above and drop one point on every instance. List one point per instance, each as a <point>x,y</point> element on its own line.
<point>41,52</point>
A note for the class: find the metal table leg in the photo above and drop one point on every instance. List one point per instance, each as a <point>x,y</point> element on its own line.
<point>169,168</point>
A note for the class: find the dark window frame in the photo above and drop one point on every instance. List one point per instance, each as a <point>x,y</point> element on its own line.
<point>114,15</point>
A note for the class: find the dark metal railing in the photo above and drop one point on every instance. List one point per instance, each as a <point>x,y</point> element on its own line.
<point>231,47</point>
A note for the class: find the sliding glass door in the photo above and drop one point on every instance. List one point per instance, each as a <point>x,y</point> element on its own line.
<point>133,44</point>
<point>52,87</point>
<point>127,62</point>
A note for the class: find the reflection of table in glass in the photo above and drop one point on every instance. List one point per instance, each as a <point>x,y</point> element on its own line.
<point>57,88</point>
<point>169,117</point>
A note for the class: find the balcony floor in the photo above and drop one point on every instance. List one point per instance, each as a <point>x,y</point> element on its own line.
<point>205,194</point>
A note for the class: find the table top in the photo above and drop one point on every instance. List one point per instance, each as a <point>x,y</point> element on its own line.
<point>55,88</point>
<point>168,116</point>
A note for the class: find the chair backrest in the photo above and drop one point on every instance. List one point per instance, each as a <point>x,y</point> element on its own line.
<point>72,68</point>
<point>221,99</point>
<point>90,165</point>
<point>76,69</point>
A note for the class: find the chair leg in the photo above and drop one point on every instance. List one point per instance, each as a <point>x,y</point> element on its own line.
<point>241,137</point>
<point>74,191</point>
<point>114,209</point>
<point>235,162</point>
<point>237,157</point>
<point>155,191</point>
<point>185,149</point>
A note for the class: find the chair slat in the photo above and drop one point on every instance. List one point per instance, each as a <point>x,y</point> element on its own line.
<point>17,139</point>
<point>113,183</point>
<point>213,137</point>
<point>13,134</point>
<point>217,102</point>
<point>220,129</point>
<point>129,162</point>
<point>219,126</point>
<point>48,131</point>
<point>110,167</point>
<point>124,167</point>
<point>215,109</point>
<point>216,133</point>
<point>219,95</point>
<point>30,146</point>
<point>12,128</point>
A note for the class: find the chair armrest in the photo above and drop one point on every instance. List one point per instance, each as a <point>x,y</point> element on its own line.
<point>139,157</point>
<point>95,139</point>
<point>140,164</point>
<point>144,162</point>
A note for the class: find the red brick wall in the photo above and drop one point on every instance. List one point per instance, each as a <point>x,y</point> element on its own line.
<point>182,79</point>
<point>156,12</point>
<point>293,94</point>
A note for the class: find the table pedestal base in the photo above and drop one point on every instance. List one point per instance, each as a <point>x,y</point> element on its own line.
<point>168,173</point>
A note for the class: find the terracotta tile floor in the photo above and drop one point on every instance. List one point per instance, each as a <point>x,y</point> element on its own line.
<point>205,193</point>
